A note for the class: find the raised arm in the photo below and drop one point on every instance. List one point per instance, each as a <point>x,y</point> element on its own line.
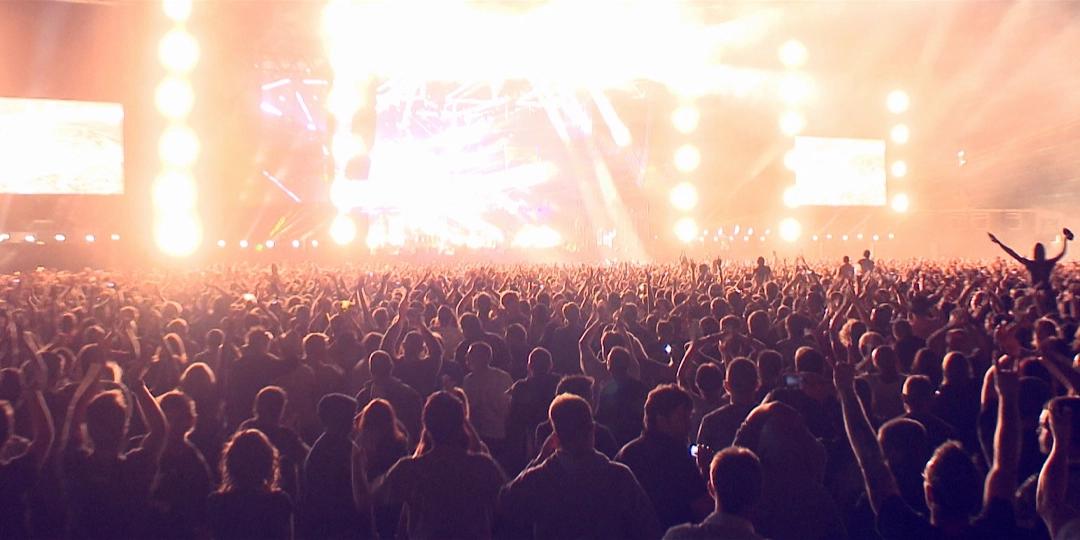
<point>880,483</point>
<point>154,442</point>
<point>1001,482</point>
<point>41,422</point>
<point>1007,249</point>
<point>587,356</point>
<point>1054,478</point>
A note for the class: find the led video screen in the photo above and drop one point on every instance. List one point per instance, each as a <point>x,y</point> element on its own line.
<point>840,172</point>
<point>55,147</point>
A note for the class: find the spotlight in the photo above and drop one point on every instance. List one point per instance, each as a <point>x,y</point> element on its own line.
<point>876,238</point>
<point>90,239</point>
<point>296,244</point>
<point>314,243</point>
<point>174,191</point>
<point>900,134</point>
<point>342,230</point>
<point>684,196</point>
<point>5,237</point>
<point>30,239</point>
<point>178,51</point>
<point>687,158</point>
<point>114,237</point>
<point>177,10</point>
<point>790,229</point>
<point>686,230</point>
<point>897,101</point>
<point>892,236</point>
<point>792,197</point>
<point>178,235</point>
<point>792,123</point>
<point>901,203</point>
<point>60,237</point>
<point>793,53</point>
<point>899,169</point>
<point>814,238</point>
<point>858,236</point>
<point>795,88</point>
<point>844,238</point>
<point>244,244</point>
<point>178,146</point>
<point>220,243</point>
<point>174,98</point>
<point>685,119</point>
<point>270,244</point>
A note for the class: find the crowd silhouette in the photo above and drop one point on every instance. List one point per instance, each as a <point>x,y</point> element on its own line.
<point>780,399</point>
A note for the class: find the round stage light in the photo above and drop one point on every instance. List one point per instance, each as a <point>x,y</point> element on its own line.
<point>178,235</point>
<point>684,196</point>
<point>178,51</point>
<point>296,244</point>
<point>686,230</point>
<point>900,134</point>
<point>314,243</point>
<point>898,169</point>
<point>30,239</point>
<point>90,239</point>
<point>792,197</point>
<point>790,229</point>
<point>244,244</point>
<point>270,244</point>
<point>795,88</point>
<point>793,53</point>
<point>897,101</point>
<point>687,158</point>
<point>178,146</point>
<point>174,98</point>
<point>792,123</point>
<point>174,191</point>
<point>177,10</point>
<point>220,243</point>
<point>685,119</point>
<point>60,237</point>
<point>343,230</point>
<point>114,237</point>
<point>901,203</point>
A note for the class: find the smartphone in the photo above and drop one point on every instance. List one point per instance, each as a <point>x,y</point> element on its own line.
<point>792,381</point>
<point>248,297</point>
<point>693,450</point>
<point>667,349</point>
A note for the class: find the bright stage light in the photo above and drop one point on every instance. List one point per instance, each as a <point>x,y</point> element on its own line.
<point>793,53</point>
<point>60,237</point>
<point>90,239</point>
<point>897,101</point>
<point>221,243</point>
<point>792,197</point>
<point>270,244</point>
<point>684,196</point>
<point>342,230</point>
<point>174,98</point>
<point>792,123</point>
<point>177,10</point>
<point>314,243</point>
<point>4,237</point>
<point>114,237</point>
<point>244,244</point>
<point>795,88</point>
<point>898,169</point>
<point>900,134</point>
<point>178,146</point>
<point>296,244</point>
<point>901,203</point>
<point>687,158</point>
<point>791,160</point>
<point>174,191</point>
<point>686,230</point>
<point>537,237</point>
<point>178,51</point>
<point>178,235</point>
<point>30,239</point>
<point>685,119</point>
<point>790,230</point>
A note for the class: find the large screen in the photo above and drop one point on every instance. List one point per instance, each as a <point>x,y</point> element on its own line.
<point>840,172</point>
<point>54,147</point>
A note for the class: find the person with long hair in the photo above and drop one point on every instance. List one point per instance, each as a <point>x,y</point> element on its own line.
<point>249,503</point>
<point>382,439</point>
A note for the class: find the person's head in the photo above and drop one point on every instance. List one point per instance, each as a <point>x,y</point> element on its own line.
<point>770,364</point>
<point>927,362</point>
<point>444,420</point>
<point>1039,252</point>
<point>618,362</point>
<point>904,443</point>
<point>956,368</point>
<point>381,364</point>
<point>413,344</point>
<point>249,462</point>
<point>336,412</point>
<point>847,259</point>
<point>258,340</point>
<point>761,261</point>
<point>107,421</point>
<point>809,360</point>
<point>884,358</point>
<point>1046,435</point>
<point>470,326</point>
<point>198,381</point>
<point>741,380</point>
<point>270,404</point>
<point>918,393</point>
<point>953,485</point>
<point>215,338</point>
<point>316,346</point>
<point>378,421</point>
<point>446,317</point>
<point>758,323</point>
<point>572,421</point>
<point>667,411</point>
<point>735,481</point>
<point>866,254</point>
<point>901,329</point>
<point>571,313</point>
<point>479,356</point>
<point>179,412</point>
<point>709,380</point>
<point>539,362</point>
<point>578,385</point>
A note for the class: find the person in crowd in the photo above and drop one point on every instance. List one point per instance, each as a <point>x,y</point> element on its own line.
<point>570,494</point>
<point>918,399</point>
<point>268,411</point>
<point>735,480</point>
<point>487,389</point>
<point>582,387</point>
<point>382,441</point>
<point>406,401</point>
<point>20,473</point>
<point>185,480</point>
<point>718,428</point>
<point>249,503</point>
<point>529,400</point>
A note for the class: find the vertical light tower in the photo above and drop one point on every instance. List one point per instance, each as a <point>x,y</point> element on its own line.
<point>898,102</point>
<point>177,227</point>
<point>794,89</point>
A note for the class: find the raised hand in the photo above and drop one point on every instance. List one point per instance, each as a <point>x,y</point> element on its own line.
<point>844,376</point>
<point>1006,376</point>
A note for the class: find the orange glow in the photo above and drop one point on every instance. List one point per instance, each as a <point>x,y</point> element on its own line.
<point>686,230</point>
<point>178,146</point>
<point>684,196</point>
<point>792,123</point>
<point>793,54</point>
<point>174,98</point>
<point>687,158</point>
<point>178,51</point>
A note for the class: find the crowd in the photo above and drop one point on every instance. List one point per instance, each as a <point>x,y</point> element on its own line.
<point>801,400</point>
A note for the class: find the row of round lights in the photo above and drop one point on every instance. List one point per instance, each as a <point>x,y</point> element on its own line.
<point>898,102</point>
<point>269,244</point>
<point>684,195</point>
<point>177,230</point>
<point>58,237</point>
